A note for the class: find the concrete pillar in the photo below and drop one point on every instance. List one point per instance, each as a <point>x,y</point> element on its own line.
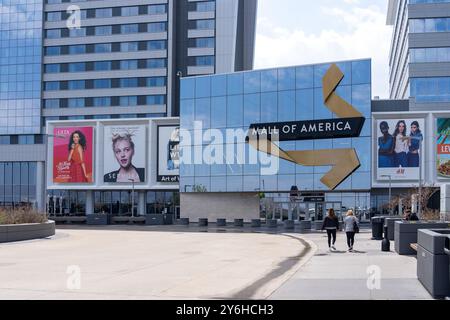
<point>41,194</point>
<point>89,202</point>
<point>445,202</point>
<point>290,211</point>
<point>141,204</point>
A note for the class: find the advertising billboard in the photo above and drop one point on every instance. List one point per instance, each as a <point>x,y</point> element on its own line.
<point>168,154</point>
<point>443,148</point>
<point>399,144</point>
<point>125,150</point>
<point>73,154</point>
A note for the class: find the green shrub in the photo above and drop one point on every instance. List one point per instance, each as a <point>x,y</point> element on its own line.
<point>19,216</point>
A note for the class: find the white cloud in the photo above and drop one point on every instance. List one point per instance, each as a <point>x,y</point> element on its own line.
<point>365,36</point>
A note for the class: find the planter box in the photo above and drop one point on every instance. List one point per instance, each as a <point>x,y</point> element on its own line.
<point>221,222</point>
<point>202,222</point>
<point>69,219</point>
<point>184,221</point>
<point>289,224</point>
<point>119,219</point>
<point>256,223</point>
<point>21,232</point>
<point>305,225</point>
<point>271,223</point>
<point>318,225</point>
<point>406,233</point>
<point>390,223</point>
<point>138,219</point>
<point>154,219</point>
<point>168,218</point>
<point>97,219</point>
<point>433,269</point>
<point>238,222</point>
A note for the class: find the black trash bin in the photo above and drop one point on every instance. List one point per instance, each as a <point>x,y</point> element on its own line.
<point>377,228</point>
<point>168,218</point>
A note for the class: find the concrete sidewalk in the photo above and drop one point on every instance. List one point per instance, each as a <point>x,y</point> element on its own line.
<point>120,262</point>
<point>139,262</point>
<point>344,275</point>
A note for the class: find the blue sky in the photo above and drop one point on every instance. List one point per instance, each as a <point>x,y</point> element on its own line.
<point>293,32</point>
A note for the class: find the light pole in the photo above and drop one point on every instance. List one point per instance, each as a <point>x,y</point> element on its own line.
<point>48,205</point>
<point>390,192</point>
<point>420,174</point>
<point>420,178</point>
<point>132,199</point>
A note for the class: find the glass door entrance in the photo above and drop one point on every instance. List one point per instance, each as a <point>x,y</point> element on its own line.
<point>317,211</point>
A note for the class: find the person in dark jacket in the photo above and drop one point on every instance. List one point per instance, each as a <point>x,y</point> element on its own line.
<point>331,224</point>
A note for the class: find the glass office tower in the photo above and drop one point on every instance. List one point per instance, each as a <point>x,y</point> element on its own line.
<point>420,53</point>
<point>20,66</point>
<point>20,97</point>
<point>70,60</point>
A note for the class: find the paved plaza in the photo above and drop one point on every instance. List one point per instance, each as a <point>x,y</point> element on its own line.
<point>138,262</point>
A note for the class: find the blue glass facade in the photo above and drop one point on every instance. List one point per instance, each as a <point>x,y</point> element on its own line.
<point>20,66</point>
<point>235,101</point>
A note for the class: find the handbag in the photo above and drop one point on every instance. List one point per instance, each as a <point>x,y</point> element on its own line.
<point>355,227</point>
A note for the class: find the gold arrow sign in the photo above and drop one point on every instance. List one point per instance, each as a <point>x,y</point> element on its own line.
<point>344,161</point>
<point>334,103</point>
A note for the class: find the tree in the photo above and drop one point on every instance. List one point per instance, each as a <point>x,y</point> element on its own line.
<point>199,188</point>
<point>408,202</point>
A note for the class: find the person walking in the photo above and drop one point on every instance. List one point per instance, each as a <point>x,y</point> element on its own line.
<point>331,224</point>
<point>351,225</point>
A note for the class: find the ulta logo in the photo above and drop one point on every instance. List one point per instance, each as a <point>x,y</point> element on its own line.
<point>62,132</point>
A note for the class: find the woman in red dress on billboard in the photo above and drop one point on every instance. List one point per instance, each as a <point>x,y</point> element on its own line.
<point>77,146</point>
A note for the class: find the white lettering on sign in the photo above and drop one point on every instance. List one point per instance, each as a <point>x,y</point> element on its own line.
<point>326,127</point>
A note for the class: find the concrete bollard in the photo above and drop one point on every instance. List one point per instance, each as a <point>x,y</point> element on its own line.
<point>256,223</point>
<point>305,225</point>
<point>289,224</point>
<point>271,223</point>
<point>221,222</point>
<point>318,225</point>
<point>184,221</point>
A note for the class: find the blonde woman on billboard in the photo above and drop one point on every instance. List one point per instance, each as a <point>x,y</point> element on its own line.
<point>124,149</point>
<point>77,146</point>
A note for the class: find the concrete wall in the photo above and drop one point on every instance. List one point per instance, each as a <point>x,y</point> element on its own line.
<point>228,206</point>
<point>21,232</point>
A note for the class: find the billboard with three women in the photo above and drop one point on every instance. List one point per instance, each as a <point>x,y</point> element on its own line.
<point>73,154</point>
<point>399,148</point>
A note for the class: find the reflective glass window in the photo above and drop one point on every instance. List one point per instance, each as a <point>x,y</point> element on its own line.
<point>252,82</point>
<point>235,115</point>
<point>218,85</point>
<point>218,112</point>
<point>286,79</point>
<point>269,80</point>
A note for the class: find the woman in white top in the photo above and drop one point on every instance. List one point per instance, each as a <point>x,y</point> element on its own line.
<point>401,145</point>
